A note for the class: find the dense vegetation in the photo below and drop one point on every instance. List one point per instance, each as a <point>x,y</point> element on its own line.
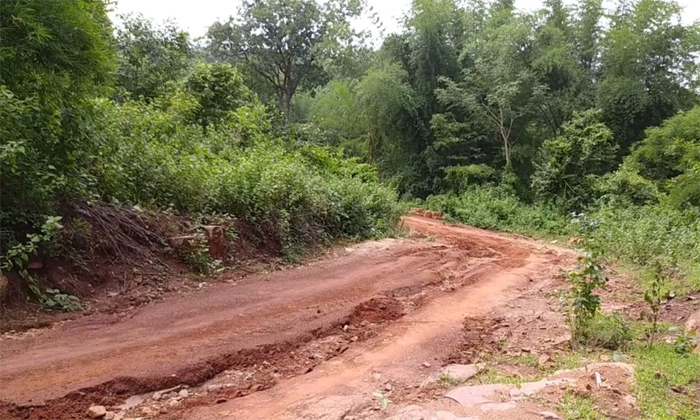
<point>136,117</point>
<point>287,117</point>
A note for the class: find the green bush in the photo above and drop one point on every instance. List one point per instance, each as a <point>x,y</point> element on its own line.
<point>493,208</point>
<point>460,178</point>
<point>607,331</point>
<point>298,196</point>
<point>669,150</point>
<point>684,190</point>
<point>644,234</point>
<point>569,165</point>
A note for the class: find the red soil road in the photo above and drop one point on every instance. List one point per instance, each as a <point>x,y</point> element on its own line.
<point>168,342</point>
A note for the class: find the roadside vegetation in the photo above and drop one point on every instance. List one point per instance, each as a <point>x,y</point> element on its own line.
<point>569,121</point>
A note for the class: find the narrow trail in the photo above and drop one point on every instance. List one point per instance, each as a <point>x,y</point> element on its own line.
<point>189,340</point>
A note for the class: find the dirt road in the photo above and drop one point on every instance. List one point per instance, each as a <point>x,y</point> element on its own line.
<point>393,306</point>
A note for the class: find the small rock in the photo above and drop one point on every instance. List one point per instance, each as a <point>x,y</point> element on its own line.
<point>388,386</point>
<point>146,411</point>
<point>460,372</point>
<point>355,338</point>
<point>548,415</point>
<point>97,412</point>
<point>221,400</point>
<point>543,360</point>
<point>426,365</point>
<point>213,387</point>
<point>109,415</point>
<point>184,393</point>
<point>377,376</point>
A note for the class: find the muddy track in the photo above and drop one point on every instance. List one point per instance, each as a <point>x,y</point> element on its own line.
<point>264,318</point>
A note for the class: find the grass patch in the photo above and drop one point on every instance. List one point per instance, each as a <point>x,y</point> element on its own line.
<point>491,375</point>
<point>448,380</point>
<point>574,407</point>
<point>666,383</point>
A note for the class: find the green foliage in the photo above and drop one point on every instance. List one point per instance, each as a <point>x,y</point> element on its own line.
<point>218,90</point>
<point>569,165</point>
<point>299,197</point>
<point>575,407</point>
<point>493,208</point>
<point>582,302</point>
<point>644,234</point>
<point>62,301</point>
<point>17,254</point>
<point>625,187</point>
<point>446,380</point>
<point>684,190</point>
<point>197,257</point>
<point>610,332</point>
<point>382,399</point>
<point>653,296</point>
<point>283,42</point>
<point>150,57</point>
<point>54,58</point>
<point>649,66</point>
<point>660,374</point>
<point>685,343</point>
<point>461,178</point>
<point>670,149</point>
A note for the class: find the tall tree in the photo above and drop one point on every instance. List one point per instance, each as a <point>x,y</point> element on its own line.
<point>498,85</point>
<point>150,56</point>
<point>649,67</point>
<point>283,41</point>
<point>55,58</point>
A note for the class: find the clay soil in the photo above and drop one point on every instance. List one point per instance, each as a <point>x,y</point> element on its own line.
<point>312,342</point>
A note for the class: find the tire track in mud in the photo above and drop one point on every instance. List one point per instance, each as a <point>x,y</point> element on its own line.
<point>365,285</point>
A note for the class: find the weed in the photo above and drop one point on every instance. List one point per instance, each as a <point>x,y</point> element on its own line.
<point>491,375</point>
<point>448,380</point>
<point>198,258</point>
<point>382,399</point>
<point>582,302</point>
<point>653,297</point>
<point>685,343</point>
<point>607,331</point>
<point>574,407</point>
<point>62,301</point>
